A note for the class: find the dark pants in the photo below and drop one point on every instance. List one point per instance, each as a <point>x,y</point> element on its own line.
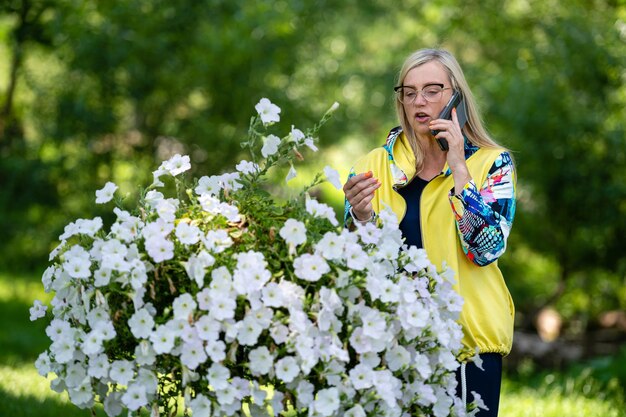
<point>486,383</point>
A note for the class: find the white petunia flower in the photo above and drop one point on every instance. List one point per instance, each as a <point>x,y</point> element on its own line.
<point>113,403</point>
<point>216,349</point>
<point>291,174</point>
<point>279,333</point>
<point>310,142</point>
<point>92,343</point>
<point>268,112</point>
<point>248,331</point>
<point>135,397</point>
<point>160,249</point>
<point>207,328</point>
<point>261,361</point>
<point>209,185</point>
<point>361,376</point>
<point>272,295</point>
<point>257,394</point>
<point>77,267</point>
<point>75,373</point>
<point>294,232</point>
<point>327,401</point>
<point>218,376</point>
<point>422,365</point>
<point>63,350</point>
<point>105,194</point>
<point>310,267</point>
<point>37,311</point>
<point>418,259</point>
<point>397,358</point>
<point>296,136</point>
<point>478,400</point>
<point>162,340</point>
<point>200,406</point>
<point>304,394</point>
<point>333,177</point>
<point>98,366</point>
<point>321,210</point>
<point>141,324</point>
<point>223,307</point>
<point>177,164</point>
<point>270,145</point>
<point>193,354</point>
<point>217,241</point>
<point>413,315</point>
<point>331,246</point>
<point>448,361</point>
<point>187,234</point>
<point>166,209</point>
<point>287,369</point>
<point>247,167</point>
<point>144,353</point>
<point>122,372</point>
<point>102,276</point>
<point>43,364</point>
<point>356,411</point>
<point>105,328</point>
<point>356,258</point>
<point>277,403</point>
<point>183,306</point>
<point>81,396</point>
<point>197,265</point>
<point>360,342</point>
<point>442,404</point>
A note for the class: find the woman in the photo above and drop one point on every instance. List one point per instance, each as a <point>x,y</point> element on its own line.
<point>457,204</point>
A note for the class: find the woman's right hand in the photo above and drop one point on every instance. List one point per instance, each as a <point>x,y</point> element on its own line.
<point>359,191</point>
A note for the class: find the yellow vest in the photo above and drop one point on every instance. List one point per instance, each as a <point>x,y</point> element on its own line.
<point>488,311</point>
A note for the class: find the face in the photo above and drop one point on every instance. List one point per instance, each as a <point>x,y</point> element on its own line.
<point>420,112</point>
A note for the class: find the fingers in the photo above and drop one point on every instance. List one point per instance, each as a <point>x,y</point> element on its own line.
<point>455,119</point>
<point>359,191</point>
<point>449,129</point>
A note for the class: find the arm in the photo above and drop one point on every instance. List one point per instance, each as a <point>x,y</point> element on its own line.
<point>484,216</point>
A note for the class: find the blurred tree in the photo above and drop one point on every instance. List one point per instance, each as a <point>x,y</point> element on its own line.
<point>130,83</point>
<point>26,191</point>
<point>29,28</point>
<point>554,82</point>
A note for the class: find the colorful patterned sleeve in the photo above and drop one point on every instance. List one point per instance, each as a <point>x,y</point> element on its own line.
<point>347,218</point>
<point>484,216</point>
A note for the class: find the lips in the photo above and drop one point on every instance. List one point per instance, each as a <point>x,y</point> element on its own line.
<point>422,117</point>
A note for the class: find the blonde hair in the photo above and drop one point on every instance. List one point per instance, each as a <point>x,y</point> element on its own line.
<point>474,129</point>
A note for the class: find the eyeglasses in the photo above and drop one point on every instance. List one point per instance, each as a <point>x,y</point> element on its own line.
<point>431,93</point>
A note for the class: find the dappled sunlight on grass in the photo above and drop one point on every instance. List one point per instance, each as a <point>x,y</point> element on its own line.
<point>531,402</point>
<point>23,392</point>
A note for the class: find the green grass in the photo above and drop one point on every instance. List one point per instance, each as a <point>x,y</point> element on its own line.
<point>558,395</point>
<point>591,390</point>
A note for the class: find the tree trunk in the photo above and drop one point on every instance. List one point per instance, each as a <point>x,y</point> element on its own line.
<point>6,114</point>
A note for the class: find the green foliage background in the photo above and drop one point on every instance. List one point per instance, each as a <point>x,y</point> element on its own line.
<point>104,90</point>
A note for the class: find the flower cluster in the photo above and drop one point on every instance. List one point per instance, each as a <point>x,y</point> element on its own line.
<point>234,302</point>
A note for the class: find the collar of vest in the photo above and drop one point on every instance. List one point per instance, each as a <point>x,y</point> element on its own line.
<point>402,159</point>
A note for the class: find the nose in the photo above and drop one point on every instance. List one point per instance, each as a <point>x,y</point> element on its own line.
<point>419,99</point>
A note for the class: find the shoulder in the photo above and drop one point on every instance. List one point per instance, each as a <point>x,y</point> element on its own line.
<point>379,157</point>
<point>372,159</point>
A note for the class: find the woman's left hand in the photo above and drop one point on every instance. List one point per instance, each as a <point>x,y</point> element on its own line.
<point>451,131</point>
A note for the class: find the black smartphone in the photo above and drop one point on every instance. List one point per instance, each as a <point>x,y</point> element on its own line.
<point>461,113</point>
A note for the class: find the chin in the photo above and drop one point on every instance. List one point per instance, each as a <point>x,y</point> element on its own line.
<point>421,130</point>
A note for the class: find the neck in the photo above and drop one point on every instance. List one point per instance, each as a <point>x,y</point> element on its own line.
<point>434,157</point>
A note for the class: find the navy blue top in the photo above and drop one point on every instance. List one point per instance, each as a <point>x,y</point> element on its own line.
<point>410,225</point>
